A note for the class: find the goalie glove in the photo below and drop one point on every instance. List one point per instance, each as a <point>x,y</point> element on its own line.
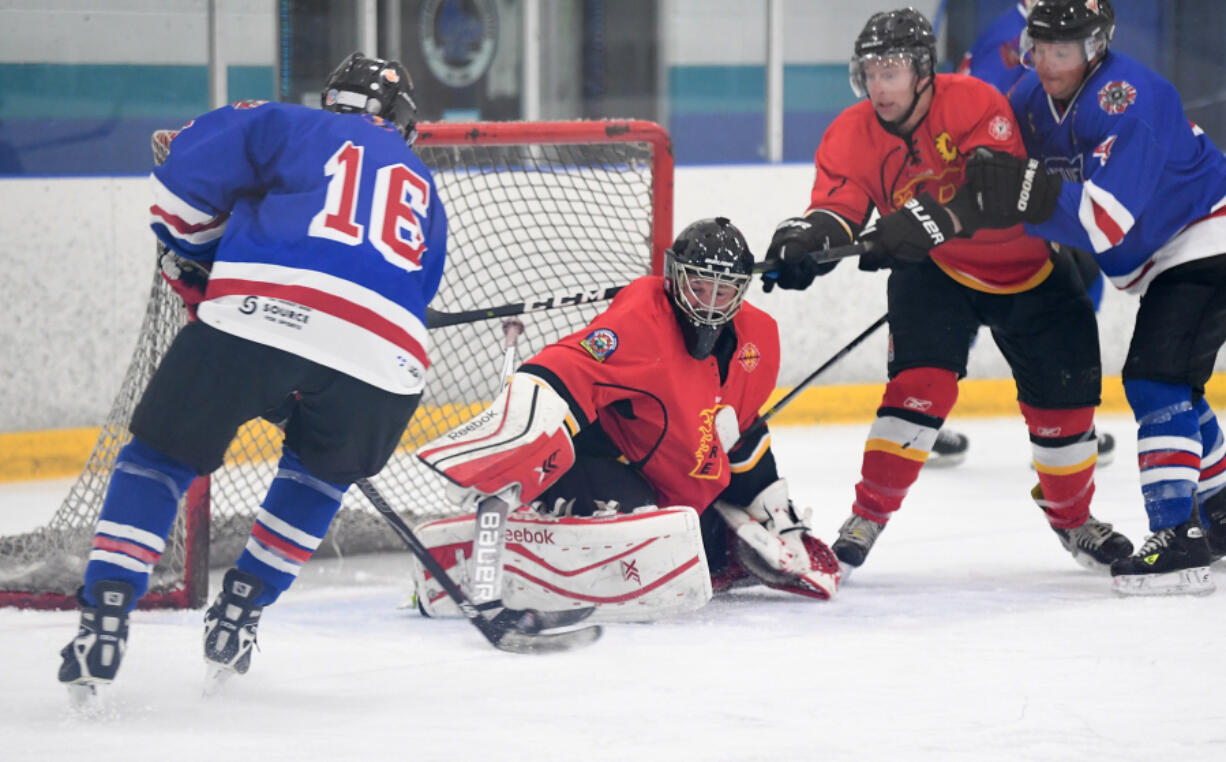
<point>186,277</point>
<point>775,544</point>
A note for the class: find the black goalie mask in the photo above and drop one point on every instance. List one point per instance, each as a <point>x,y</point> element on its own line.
<point>361,85</point>
<point>707,271</point>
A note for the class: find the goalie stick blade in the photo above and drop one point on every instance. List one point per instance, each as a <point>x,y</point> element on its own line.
<point>531,621</point>
<point>548,642</point>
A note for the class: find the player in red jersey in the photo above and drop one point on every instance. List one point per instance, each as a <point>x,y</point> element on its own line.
<point>890,173</point>
<point>655,402</point>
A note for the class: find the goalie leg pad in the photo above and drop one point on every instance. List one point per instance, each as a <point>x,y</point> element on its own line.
<point>776,546</point>
<point>633,567</point>
<point>522,441</point>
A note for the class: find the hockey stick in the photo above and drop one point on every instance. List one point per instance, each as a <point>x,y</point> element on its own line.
<point>439,319</point>
<point>518,631</point>
<point>489,537</point>
<point>787,398</point>
<point>821,257</point>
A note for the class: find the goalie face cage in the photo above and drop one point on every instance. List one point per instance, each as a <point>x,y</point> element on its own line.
<point>548,214</point>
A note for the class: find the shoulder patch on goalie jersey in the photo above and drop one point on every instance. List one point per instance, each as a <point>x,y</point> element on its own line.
<point>600,343</point>
<point>632,567</point>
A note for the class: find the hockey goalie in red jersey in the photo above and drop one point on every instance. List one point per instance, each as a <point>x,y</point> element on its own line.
<point>654,403</point>
<point>890,174</point>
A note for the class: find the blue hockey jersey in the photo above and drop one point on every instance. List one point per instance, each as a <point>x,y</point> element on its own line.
<point>326,236</point>
<point>1143,187</point>
<point>995,57</point>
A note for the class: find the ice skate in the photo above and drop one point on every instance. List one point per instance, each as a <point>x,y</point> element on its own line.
<point>229,628</point>
<point>1215,525</point>
<point>1106,449</point>
<point>92,658</point>
<point>1094,545</point>
<point>856,538</point>
<point>1172,561</point>
<point>948,450</point>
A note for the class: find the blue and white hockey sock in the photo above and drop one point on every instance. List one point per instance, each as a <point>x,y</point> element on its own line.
<point>1213,462</point>
<point>294,518</point>
<point>137,514</point>
<point>1168,449</point>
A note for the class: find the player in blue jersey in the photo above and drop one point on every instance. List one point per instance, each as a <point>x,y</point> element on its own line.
<point>1129,178</point>
<point>996,58</point>
<point>315,240</point>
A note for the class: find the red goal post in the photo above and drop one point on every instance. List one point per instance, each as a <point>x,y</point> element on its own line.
<point>554,215</point>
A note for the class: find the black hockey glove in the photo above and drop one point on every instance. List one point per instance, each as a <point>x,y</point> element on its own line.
<point>790,265</point>
<point>1009,190</point>
<point>906,235</point>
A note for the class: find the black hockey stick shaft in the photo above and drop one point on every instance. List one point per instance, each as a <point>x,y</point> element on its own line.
<point>823,256</point>
<point>492,632</point>
<point>440,319</point>
<point>787,398</point>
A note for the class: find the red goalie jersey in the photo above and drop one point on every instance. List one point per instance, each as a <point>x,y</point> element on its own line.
<point>861,165</point>
<point>629,370</point>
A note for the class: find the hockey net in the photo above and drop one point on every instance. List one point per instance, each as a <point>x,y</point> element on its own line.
<point>551,215</point>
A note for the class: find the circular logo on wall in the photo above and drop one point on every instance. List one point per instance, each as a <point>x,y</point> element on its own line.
<point>458,39</point>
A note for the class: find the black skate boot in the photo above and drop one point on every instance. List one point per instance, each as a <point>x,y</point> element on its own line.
<point>1106,449</point>
<point>230,625</point>
<point>93,656</point>
<point>1172,561</point>
<point>856,538</point>
<point>1215,525</point>
<point>1094,545</point>
<point>948,450</point>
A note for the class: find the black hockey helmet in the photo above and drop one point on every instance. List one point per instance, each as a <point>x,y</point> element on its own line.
<point>903,32</point>
<point>1089,21</point>
<point>707,270</point>
<point>361,85</point>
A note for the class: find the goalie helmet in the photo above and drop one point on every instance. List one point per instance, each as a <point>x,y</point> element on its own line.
<point>1091,22</point>
<point>361,85</point>
<point>707,271</point>
<point>890,34</point>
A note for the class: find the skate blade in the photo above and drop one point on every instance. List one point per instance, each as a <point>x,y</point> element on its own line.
<point>1194,581</point>
<point>1088,562</point>
<point>215,678</point>
<point>82,695</point>
<point>845,570</point>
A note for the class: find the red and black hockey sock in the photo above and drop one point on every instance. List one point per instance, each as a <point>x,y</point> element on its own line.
<point>1065,453</point>
<point>912,410</point>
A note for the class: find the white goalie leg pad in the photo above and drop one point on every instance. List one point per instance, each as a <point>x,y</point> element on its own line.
<point>776,545</point>
<point>519,444</point>
<point>633,567</point>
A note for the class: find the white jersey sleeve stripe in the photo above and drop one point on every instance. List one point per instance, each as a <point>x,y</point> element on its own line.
<point>1105,219</point>
<point>183,220</point>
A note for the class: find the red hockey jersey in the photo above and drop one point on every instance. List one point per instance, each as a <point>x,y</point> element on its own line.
<point>634,352</point>
<point>861,165</point>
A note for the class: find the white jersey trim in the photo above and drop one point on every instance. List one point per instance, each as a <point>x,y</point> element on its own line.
<point>1091,196</point>
<point>182,220</point>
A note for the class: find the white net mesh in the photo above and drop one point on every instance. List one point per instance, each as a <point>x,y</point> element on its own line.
<point>527,220</point>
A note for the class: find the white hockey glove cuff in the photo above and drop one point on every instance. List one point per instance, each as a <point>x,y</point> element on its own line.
<point>776,546</point>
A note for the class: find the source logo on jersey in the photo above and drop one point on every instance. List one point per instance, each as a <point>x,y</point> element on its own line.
<point>946,147</point>
<point>1103,152</point>
<point>749,356</point>
<point>706,458</point>
<point>1000,128</point>
<point>600,343</point>
<point>1117,96</point>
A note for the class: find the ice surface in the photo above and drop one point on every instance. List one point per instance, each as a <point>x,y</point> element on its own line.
<point>968,635</point>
